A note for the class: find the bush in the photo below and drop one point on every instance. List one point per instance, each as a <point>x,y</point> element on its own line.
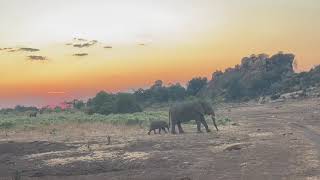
<point>126,103</point>
<point>102,103</point>
<point>195,85</point>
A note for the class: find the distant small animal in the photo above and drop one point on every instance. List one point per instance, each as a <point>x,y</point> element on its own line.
<point>33,114</point>
<point>161,125</point>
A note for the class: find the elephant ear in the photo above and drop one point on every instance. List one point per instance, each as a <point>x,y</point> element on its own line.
<point>198,108</point>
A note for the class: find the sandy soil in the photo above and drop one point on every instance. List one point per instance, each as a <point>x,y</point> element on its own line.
<point>271,141</point>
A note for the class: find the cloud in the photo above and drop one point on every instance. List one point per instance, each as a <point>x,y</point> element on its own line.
<point>56,92</point>
<point>28,49</point>
<point>142,44</point>
<point>12,50</point>
<point>107,47</point>
<point>82,43</point>
<point>21,49</point>
<point>37,58</point>
<point>3,49</point>
<point>79,39</point>
<point>81,54</point>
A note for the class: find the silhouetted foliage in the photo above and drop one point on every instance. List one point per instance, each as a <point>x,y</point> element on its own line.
<point>105,103</point>
<point>176,92</point>
<point>20,108</point>
<point>260,75</point>
<point>158,93</point>
<point>195,85</point>
<point>126,103</point>
<point>78,104</point>
<point>102,103</point>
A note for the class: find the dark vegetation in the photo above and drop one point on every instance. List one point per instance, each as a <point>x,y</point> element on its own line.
<point>257,75</point>
<point>260,75</point>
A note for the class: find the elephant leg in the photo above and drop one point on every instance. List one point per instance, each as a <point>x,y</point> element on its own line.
<point>164,129</point>
<point>180,128</point>
<point>159,130</point>
<point>149,132</point>
<point>198,126</point>
<point>173,127</point>
<point>154,131</point>
<point>203,121</point>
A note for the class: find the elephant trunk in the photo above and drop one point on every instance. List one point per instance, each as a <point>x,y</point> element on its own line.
<point>214,121</point>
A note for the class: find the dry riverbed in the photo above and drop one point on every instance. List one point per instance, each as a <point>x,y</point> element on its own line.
<point>271,141</point>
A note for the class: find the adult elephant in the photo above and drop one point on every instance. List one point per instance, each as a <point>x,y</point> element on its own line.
<point>191,110</point>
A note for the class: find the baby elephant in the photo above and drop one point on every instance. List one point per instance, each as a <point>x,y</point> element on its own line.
<point>161,125</point>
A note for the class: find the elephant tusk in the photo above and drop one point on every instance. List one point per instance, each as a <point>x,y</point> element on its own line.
<point>214,122</point>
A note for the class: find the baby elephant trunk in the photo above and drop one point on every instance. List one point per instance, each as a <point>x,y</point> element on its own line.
<point>214,121</point>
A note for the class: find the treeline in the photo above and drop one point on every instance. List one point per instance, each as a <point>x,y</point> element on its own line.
<point>107,103</point>
<point>257,75</point>
<point>110,103</point>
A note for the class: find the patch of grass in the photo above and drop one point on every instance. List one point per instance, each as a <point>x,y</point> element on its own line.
<point>223,120</point>
<point>6,125</point>
<point>22,121</point>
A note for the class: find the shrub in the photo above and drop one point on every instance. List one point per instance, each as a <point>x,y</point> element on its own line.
<point>126,103</point>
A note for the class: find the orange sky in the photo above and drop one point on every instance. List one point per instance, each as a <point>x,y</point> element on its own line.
<point>181,39</point>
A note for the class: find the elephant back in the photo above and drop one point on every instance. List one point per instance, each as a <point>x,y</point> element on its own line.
<point>186,111</point>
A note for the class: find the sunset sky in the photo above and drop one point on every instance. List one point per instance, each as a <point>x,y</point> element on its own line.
<point>66,49</point>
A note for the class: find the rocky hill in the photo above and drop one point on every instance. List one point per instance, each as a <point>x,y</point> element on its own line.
<point>260,75</point>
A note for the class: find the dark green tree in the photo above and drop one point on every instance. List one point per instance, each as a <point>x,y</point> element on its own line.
<point>195,85</point>
<point>102,103</point>
<point>126,103</point>
<point>176,92</point>
<point>78,104</point>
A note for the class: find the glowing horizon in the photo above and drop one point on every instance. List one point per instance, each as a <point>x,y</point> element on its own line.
<point>122,45</point>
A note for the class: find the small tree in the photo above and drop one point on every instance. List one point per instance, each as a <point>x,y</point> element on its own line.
<point>176,92</point>
<point>195,85</point>
<point>126,103</point>
<point>102,103</point>
<point>6,125</point>
<point>78,104</point>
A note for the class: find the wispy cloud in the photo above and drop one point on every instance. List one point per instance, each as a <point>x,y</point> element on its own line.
<point>28,49</point>
<point>79,39</point>
<point>37,58</point>
<point>82,43</point>
<point>25,49</point>
<point>4,49</point>
<point>81,54</point>
<point>56,92</point>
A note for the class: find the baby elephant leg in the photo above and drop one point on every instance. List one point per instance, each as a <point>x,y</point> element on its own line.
<point>159,130</point>
<point>164,129</point>
<point>180,128</point>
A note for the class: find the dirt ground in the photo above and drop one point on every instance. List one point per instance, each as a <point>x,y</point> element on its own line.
<point>270,141</point>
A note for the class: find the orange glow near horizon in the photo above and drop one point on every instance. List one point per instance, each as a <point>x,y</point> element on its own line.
<point>139,42</point>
